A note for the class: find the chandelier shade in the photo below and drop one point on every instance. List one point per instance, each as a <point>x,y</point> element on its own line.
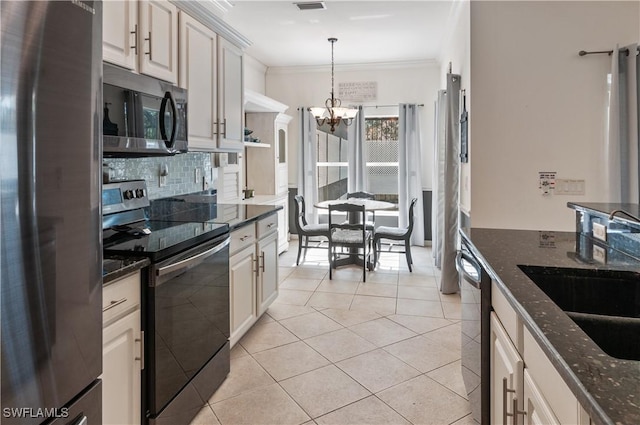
<point>333,113</point>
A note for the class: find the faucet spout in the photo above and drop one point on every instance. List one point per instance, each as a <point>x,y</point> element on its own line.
<point>623,212</point>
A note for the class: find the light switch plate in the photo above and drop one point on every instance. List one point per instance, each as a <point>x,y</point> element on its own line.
<point>600,231</point>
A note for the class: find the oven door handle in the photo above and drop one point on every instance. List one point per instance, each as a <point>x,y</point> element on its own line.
<point>460,259</point>
<point>183,264</point>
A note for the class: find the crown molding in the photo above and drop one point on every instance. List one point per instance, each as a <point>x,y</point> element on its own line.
<point>208,13</point>
<point>353,67</point>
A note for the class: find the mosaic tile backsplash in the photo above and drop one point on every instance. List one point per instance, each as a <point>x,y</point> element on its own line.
<point>181,177</point>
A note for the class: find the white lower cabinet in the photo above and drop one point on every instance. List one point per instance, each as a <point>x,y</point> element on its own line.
<point>122,352</point>
<point>253,273</point>
<point>242,286</point>
<point>525,387</point>
<point>268,271</point>
<point>507,370</point>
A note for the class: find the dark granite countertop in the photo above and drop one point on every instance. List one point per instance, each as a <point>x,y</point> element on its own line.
<point>608,388</point>
<point>244,214</point>
<point>116,267</point>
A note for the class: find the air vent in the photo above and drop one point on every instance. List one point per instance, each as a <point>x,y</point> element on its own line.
<point>311,5</point>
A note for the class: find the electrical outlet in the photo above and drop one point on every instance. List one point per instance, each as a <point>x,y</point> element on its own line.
<point>600,231</point>
<point>197,177</point>
<point>163,175</point>
<point>599,254</point>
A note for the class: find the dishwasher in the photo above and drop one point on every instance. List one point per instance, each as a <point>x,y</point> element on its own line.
<point>475,294</point>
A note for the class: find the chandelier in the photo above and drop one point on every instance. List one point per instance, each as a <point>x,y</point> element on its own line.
<point>333,113</point>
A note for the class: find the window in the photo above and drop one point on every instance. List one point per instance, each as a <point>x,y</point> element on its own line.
<point>382,157</point>
<point>332,166</point>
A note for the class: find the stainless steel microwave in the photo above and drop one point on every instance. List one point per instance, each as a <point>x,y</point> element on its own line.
<point>142,116</point>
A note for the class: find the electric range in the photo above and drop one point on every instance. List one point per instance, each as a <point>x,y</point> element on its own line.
<point>185,296</point>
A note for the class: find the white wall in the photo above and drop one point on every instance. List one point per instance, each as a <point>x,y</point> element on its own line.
<point>397,83</point>
<point>538,106</point>
<point>254,74</point>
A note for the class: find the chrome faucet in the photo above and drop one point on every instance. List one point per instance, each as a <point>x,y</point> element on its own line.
<point>623,212</point>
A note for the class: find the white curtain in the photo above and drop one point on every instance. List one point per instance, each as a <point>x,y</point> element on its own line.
<point>622,151</point>
<point>409,171</point>
<point>357,156</point>
<point>307,164</point>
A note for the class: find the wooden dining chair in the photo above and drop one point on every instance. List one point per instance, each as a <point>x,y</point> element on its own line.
<point>306,230</point>
<point>351,235</point>
<point>371,220</point>
<point>397,234</point>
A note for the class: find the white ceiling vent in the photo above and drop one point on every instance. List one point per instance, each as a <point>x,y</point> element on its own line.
<point>311,5</point>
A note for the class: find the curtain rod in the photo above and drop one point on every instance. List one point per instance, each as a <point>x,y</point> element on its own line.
<point>609,52</point>
<point>386,106</point>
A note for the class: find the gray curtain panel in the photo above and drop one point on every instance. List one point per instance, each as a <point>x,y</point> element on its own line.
<point>622,145</point>
<point>307,163</point>
<point>357,157</point>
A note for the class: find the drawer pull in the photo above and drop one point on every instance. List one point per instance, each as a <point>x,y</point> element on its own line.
<point>505,414</point>
<point>244,238</point>
<point>135,39</point>
<point>517,412</point>
<point>270,225</point>
<point>114,304</point>
<point>141,358</point>
<point>149,52</point>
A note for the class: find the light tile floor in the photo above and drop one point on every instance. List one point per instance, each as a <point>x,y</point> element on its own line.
<point>342,351</point>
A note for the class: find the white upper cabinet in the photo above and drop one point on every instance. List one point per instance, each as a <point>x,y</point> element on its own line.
<point>142,36</point>
<point>159,35</point>
<point>120,33</point>
<point>198,74</point>
<point>230,96</point>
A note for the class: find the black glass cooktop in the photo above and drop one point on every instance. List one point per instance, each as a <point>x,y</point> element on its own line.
<point>159,239</point>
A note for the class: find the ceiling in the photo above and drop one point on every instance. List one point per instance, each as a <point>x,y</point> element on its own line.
<point>367,31</point>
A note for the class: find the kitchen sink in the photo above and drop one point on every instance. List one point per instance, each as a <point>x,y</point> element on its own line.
<point>604,303</point>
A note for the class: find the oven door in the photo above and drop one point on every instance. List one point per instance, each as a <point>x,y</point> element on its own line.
<point>187,318</point>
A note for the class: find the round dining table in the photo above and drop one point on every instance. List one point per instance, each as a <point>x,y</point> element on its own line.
<point>369,205</point>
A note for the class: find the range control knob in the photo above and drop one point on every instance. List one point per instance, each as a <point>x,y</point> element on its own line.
<point>128,194</point>
<point>139,193</point>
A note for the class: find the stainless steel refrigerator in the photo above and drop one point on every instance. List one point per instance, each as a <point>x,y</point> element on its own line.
<point>50,229</point>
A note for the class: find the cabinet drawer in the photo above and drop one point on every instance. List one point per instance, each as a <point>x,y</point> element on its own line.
<point>120,296</point>
<point>508,316</point>
<point>242,237</point>
<point>554,390</point>
<point>267,225</point>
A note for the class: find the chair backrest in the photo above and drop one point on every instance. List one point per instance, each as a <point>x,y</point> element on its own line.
<point>361,195</point>
<point>414,201</point>
<point>300,215</point>
<point>355,213</point>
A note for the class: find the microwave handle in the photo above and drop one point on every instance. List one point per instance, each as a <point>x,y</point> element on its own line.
<point>168,98</point>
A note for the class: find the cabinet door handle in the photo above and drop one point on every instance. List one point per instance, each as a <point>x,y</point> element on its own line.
<point>262,258</point>
<point>255,260</point>
<point>517,412</point>
<point>141,341</point>
<point>505,391</point>
<point>135,39</point>
<point>224,130</point>
<point>149,52</point>
<point>114,304</point>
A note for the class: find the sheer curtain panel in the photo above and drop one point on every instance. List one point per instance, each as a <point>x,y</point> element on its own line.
<point>409,170</point>
<point>307,164</point>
